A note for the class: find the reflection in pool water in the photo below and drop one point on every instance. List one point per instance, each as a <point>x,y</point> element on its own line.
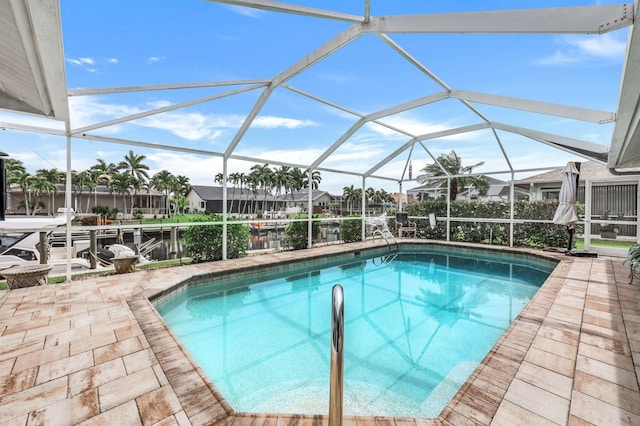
<point>416,326</point>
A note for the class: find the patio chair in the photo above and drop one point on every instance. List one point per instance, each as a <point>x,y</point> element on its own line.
<point>404,225</point>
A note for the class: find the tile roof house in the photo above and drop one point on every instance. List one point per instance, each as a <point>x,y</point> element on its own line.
<point>498,190</point>
<point>203,198</point>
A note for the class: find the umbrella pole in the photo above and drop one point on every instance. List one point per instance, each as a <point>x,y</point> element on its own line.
<point>571,230</point>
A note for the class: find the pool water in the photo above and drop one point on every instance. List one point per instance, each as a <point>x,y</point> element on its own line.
<point>416,326</point>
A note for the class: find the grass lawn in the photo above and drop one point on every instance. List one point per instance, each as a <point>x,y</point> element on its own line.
<point>614,244</point>
<point>179,218</point>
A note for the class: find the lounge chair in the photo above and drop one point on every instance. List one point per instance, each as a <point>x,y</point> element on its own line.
<point>432,220</point>
<point>404,225</point>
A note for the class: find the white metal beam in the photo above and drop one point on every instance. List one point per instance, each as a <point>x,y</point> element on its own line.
<point>275,6</point>
<point>548,108</point>
<point>574,146</point>
<point>317,55</point>
<point>559,20</point>
<point>173,86</point>
<point>151,145</point>
<point>248,120</point>
<point>163,109</point>
<point>455,131</point>
<point>427,72</point>
<point>391,156</point>
<point>346,135</point>
<point>331,46</point>
<point>434,135</point>
<point>30,128</point>
<point>409,58</point>
<point>418,102</point>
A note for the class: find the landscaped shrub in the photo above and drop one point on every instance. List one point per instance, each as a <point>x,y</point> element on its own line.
<point>204,242</point>
<point>524,234</point>
<point>91,220</point>
<point>104,210</point>
<point>351,230</point>
<point>296,233</point>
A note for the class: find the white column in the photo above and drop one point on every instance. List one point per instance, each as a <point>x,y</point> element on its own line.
<point>224,208</point>
<point>512,196</point>
<point>310,210</point>
<point>587,214</point>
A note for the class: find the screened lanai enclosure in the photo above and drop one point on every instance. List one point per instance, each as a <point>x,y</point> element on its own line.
<point>366,92</point>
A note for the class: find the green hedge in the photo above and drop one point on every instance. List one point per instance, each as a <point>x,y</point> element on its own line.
<point>296,233</point>
<point>351,230</point>
<point>524,235</point>
<point>204,242</point>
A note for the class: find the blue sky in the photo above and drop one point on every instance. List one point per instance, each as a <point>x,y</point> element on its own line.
<point>135,43</point>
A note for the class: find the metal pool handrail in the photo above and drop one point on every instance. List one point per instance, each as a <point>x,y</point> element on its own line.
<point>337,356</point>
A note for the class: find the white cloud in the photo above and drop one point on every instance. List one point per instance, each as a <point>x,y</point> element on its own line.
<point>270,122</point>
<point>199,169</point>
<point>574,49</point>
<point>246,11</point>
<point>154,59</point>
<point>90,64</point>
<point>188,125</point>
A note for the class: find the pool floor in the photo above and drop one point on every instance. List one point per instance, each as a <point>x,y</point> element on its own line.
<point>95,352</point>
<point>415,329</point>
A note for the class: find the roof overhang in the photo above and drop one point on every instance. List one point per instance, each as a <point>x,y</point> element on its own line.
<point>625,143</point>
<point>32,74</point>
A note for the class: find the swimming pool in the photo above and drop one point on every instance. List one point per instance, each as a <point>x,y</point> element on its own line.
<point>416,327</point>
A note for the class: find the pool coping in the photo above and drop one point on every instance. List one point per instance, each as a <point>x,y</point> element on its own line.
<point>477,400</point>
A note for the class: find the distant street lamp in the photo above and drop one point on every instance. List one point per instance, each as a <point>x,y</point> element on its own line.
<point>3,185</point>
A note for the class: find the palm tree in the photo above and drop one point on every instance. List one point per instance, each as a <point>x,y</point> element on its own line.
<point>264,176</point>
<point>281,179</point>
<point>383,196</point>
<point>370,195</point>
<point>163,181</point>
<point>297,178</point>
<point>184,185</point>
<point>25,182</point>
<point>253,183</point>
<point>242,180</point>
<point>315,179</point>
<point>357,195</point>
<point>349,196</point>
<point>53,177</point>
<point>15,169</point>
<point>234,178</point>
<point>95,177</point>
<point>218,178</point>
<point>39,186</point>
<point>452,165</point>
<point>107,170</point>
<point>121,183</point>
<point>134,166</point>
<point>79,180</point>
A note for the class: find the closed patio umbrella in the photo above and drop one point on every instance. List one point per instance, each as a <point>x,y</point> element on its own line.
<point>567,211</point>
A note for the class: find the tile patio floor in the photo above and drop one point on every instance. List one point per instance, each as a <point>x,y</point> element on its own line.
<point>94,352</point>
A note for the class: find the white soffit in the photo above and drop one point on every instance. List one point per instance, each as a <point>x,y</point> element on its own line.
<point>32,75</point>
<point>625,143</point>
